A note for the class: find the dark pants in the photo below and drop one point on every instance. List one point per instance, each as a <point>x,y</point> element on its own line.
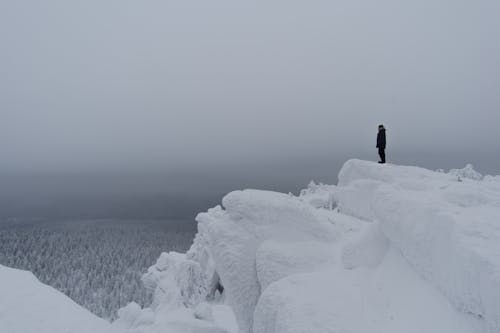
<point>381,153</point>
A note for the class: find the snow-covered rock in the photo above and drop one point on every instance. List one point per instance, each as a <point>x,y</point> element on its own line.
<point>388,298</point>
<point>467,172</point>
<point>390,249</point>
<point>319,195</point>
<point>365,249</point>
<point>204,318</point>
<point>176,281</point>
<point>276,260</point>
<point>29,306</point>
<point>362,256</point>
<point>295,264</point>
<point>132,316</point>
<point>237,233</point>
<point>181,286</point>
<point>448,231</point>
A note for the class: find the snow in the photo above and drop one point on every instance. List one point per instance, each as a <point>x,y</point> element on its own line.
<point>28,306</point>
<point>448,230</point>
<point>176,279</point>
<point>389,249</point>
<point>276,260</point>
<point>181,287</point>
<point>237,234</point>
<point>467,172</point>
<point>365,249</point>
<point>377,253</point>
<point>389,298</point>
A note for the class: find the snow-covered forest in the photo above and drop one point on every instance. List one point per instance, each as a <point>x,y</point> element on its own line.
<point>97,263</point>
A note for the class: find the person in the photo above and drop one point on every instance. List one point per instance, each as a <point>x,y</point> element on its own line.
<point>381,143</point>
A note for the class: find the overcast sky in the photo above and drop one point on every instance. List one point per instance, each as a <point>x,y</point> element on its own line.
<point>95,84</point>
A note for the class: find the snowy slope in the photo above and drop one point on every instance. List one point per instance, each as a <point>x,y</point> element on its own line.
<point>406,250</point>
<point>28,306</point>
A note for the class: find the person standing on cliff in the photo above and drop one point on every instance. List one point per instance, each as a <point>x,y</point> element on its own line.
<point>381,143</point>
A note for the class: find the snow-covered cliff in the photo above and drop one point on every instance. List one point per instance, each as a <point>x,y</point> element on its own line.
<point>389,249</point>
<point>447,226</point>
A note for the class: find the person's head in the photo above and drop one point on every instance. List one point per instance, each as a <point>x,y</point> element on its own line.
<point>380,127</point>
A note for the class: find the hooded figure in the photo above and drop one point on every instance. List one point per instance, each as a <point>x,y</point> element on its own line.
<point>381,143</point>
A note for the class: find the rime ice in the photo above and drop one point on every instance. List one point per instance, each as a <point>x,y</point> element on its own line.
<point>389,249</point>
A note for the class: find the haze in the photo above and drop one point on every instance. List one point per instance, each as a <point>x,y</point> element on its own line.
<point>255,93</point>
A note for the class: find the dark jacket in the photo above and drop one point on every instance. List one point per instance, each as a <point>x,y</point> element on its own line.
<point>381,139</point>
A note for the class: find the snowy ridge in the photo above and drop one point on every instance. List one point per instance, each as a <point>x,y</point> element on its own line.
<point>447,229</point>
<point>389,249</point>
<point>259,222</point>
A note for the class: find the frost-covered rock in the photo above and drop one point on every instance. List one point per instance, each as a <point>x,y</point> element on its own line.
<point>466,173</point>
<point>180,289</point>
<point>203,311</point>
<point>250,218</point>
<point>182,283</point>
<point>202,319</point>
<point>447,230</point>
<point>176,281</point>
<point>489,178</point>
<point>366,249</point>
<point>388,298</point>
<point>390,249</point>
<point>181,320</point>
<point>276,260</point>
<point>311,302</point>
<point>132,316</point>
<point>319,195</point>
<point>199,252</point>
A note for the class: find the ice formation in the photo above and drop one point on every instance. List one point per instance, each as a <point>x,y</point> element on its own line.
<point>467,172</point>
<point>448,230</point>
<point>182,284</point>
<point>239,232</point>
<point>389,249</point>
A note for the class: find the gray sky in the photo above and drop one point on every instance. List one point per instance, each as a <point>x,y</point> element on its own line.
<point>103,85</point>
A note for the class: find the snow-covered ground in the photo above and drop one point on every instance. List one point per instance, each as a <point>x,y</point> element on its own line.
<point>28,306</point>
<point>390,249</point>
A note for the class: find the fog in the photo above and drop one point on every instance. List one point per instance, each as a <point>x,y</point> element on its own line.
<point>141,98</point>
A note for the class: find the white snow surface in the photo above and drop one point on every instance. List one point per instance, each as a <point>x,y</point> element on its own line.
<point>181,284</point>
<point>390,249</point>
<point>448,229</point>
<point>255,236</point>
<point>29,306</point>
<point>467,172</point>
